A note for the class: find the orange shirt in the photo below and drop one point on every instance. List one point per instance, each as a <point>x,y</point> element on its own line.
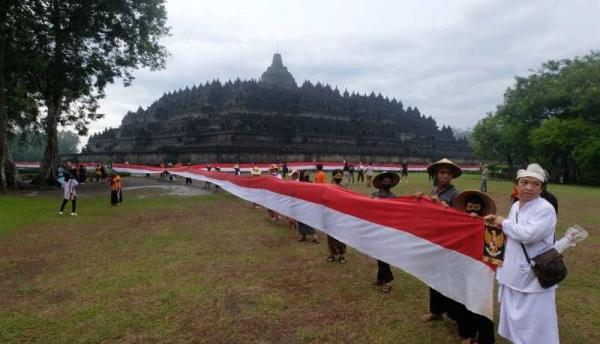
<point>320,177</point>
<point>115,183</point>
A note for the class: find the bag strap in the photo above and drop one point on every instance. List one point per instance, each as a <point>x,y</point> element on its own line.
<point>523,246</point>
<point>525,251</point>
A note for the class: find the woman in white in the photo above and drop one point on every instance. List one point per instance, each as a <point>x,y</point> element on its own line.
<point>527,311</point>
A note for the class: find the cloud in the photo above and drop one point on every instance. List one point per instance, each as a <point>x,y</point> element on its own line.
<point>451,59</point>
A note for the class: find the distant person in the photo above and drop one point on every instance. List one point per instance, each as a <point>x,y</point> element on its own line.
<point>485,172</point>
<point>98,173</point>
<point>115,193</point>
<point>320,175</point>
<point>369,174</point>
<point>404,174</point>
<point>274,172</point>
<point>60,174</point>
<point>346,173</point>
<point>255,172</point>
<point>284,170</point>
<point>351,174</point>
<point>236,170</point>
<point>360,178</point>
<point>69,194</point>
<point>82,174</point>
<point>103,172</point>
<point>163,171</point>
<point>337,249</point>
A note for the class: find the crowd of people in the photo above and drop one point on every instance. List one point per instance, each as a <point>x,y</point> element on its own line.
<point>71,175</point>
<point>527,310</point>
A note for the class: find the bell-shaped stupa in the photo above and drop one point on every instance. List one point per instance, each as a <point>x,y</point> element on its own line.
<point>278,75</point>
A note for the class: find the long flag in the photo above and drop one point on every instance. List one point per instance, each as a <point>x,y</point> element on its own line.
<point>440,246</point>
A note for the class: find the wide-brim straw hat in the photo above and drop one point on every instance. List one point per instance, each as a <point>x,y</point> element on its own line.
<point>456,170</point>
<point>489,206</point>
<point>335,172</point>
<point>379,178</point>
<point>273,167</point>
<point>293,172</point>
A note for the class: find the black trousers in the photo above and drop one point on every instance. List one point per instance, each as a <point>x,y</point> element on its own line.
<point>471,325</point>
<point>114,197</point>
<point>439,304</point>
<point>73,204</point>
<point>384,272</point>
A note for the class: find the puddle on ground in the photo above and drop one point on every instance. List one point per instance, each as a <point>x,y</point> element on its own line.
<point>171,190</point>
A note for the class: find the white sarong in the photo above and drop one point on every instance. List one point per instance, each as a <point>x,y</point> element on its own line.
<point>528,318</point>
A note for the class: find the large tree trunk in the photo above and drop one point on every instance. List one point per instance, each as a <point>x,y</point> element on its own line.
<point>3,120</point>
<point>50,161</point>
<point>10,168</point>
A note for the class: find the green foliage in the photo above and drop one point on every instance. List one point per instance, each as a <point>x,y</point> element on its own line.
<point>29,145</point>
<point>72,49</point>
<point>551,117</point>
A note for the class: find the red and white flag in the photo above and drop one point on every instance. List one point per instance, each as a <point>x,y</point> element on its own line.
<point>440,246</point>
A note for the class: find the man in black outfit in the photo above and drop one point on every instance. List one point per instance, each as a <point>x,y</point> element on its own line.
<point>384,182</point>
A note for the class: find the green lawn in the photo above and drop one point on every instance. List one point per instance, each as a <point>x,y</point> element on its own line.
<point>210,269</point>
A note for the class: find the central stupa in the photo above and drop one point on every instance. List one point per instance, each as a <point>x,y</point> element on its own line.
<point>278,75</point>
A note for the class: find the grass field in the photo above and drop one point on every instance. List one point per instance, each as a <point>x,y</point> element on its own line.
<point>210,269</point>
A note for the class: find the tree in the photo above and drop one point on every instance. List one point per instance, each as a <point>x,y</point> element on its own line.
<point>18,110</point>
<point>76,48</point>
<point>550,116</point>
<point>554,143</point>
<point>68,142</point>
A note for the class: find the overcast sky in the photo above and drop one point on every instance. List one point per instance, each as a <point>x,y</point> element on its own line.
<point>451,59</point>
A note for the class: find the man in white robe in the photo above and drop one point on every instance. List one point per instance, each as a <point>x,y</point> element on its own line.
<point>527,311</point>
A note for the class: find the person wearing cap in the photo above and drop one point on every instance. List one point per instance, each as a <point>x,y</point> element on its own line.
<point>443,171</point>
<point>384,182</point>
<point>337,249</point>
<point>472,327</point>
<point>527,311</point>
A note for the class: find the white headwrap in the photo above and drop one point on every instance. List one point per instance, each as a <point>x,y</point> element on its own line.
<point>534,171</point>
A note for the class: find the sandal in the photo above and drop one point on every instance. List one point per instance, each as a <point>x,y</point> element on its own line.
<point>331,259</point>
<point>301,240</point>
<point>342,260</point>
<point>430,317</point>
<point>386,289</point>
